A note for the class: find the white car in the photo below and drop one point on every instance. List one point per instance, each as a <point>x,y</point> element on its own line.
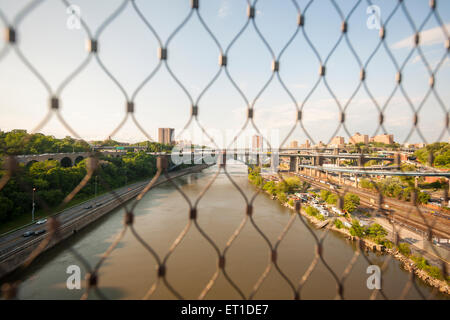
<point>42,221</point>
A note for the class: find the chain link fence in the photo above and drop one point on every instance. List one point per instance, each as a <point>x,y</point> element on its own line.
<point>414,212</point>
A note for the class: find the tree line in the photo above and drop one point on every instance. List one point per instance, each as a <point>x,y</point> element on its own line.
<point>54,182</point>
<point>19,141</point>
<point>440,154</point>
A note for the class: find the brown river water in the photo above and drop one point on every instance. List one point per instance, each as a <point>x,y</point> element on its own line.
<point>163,213</point>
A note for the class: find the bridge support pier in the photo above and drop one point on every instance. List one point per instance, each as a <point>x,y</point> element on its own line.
<point>340,177</point>
<point>293,164</point>
<point>258,160</point>
<point>356,180</point>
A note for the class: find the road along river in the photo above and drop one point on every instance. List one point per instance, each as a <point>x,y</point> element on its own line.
<point>163,213</point>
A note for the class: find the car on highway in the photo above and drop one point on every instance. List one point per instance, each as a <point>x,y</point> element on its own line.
<point>28,234</point>
<point>38,232</point>
<point>88,207</point>
<point>42,221</point>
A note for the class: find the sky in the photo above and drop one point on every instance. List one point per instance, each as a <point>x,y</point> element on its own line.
<point>93,105</point>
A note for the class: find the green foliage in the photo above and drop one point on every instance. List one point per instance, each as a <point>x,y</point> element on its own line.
<point>351,202</point>
<point>375,231</point>
<point>312,211</point>
<point>293,184</point>
<point>440,184</point>
<point>356,229</point>
<point>371,163</point>
<point>440,151</point>
<point>282,197</point>
<point>271,187</point>
<point>332,199</point>
<point>388,244</point>
<point>404,249</point>
<point>21,142</point>
<point>366,184</point>
<point>435,272</point>
<point>54,182</point>
<point>423,197</point>
<point>156,146</point>
<point>291,202</point>
<point>255,177</point>
<point>324,194</point>
<point>394,187</point>
<point>338,223</point>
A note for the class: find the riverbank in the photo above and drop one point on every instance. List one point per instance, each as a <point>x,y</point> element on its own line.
<point>366,244</point>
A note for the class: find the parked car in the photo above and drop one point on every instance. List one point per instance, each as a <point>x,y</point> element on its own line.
<point>28,234</point>
<point>42,221</point>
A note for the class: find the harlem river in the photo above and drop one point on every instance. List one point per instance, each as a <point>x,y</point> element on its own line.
<point>161,216</point>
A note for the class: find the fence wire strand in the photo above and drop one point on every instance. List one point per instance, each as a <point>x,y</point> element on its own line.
<point>11,46</point>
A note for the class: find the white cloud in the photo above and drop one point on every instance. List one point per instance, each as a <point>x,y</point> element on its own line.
<point>427,38</point>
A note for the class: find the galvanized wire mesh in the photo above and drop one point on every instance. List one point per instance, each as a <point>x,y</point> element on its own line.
<point>12,46</point>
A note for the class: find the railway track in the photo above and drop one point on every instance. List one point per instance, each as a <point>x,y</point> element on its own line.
<point>439,226</point>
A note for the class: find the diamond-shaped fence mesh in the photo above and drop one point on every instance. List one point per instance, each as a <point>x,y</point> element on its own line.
<point>407,215</point>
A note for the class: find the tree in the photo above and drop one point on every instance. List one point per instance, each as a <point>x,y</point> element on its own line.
<point>423,197</point>
<point>351,202</point>
<point>338,223</point>
<point>311,211</point>
<point>270,187</point>
<point>282,197</point>
<point>376,232</point>
<point>332,199</point>
<point>324,194</point>
<point>54,182</point>
<point>366,184</point>
<point>356,229</point>
<point>440,152</point>
<point>6,206</point>
<point>404,249</point>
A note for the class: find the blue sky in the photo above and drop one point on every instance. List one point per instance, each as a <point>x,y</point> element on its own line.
<point>93,105</point>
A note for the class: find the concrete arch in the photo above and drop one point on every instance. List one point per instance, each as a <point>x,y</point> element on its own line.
<point>66,162</point>
<point>30,163</point>
<point>78,159</point>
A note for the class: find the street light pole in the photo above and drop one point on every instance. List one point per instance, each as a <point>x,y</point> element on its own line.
<point>95,190</point>
<point>32,211</point>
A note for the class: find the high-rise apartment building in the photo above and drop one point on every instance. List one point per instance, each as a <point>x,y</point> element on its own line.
<point>359,138</point>
<point>337,142</point>
<point>294,144</point>
<point>306,145</point>
<point>257,142</point>
<point>166,135</point>
<point>383,138</point>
